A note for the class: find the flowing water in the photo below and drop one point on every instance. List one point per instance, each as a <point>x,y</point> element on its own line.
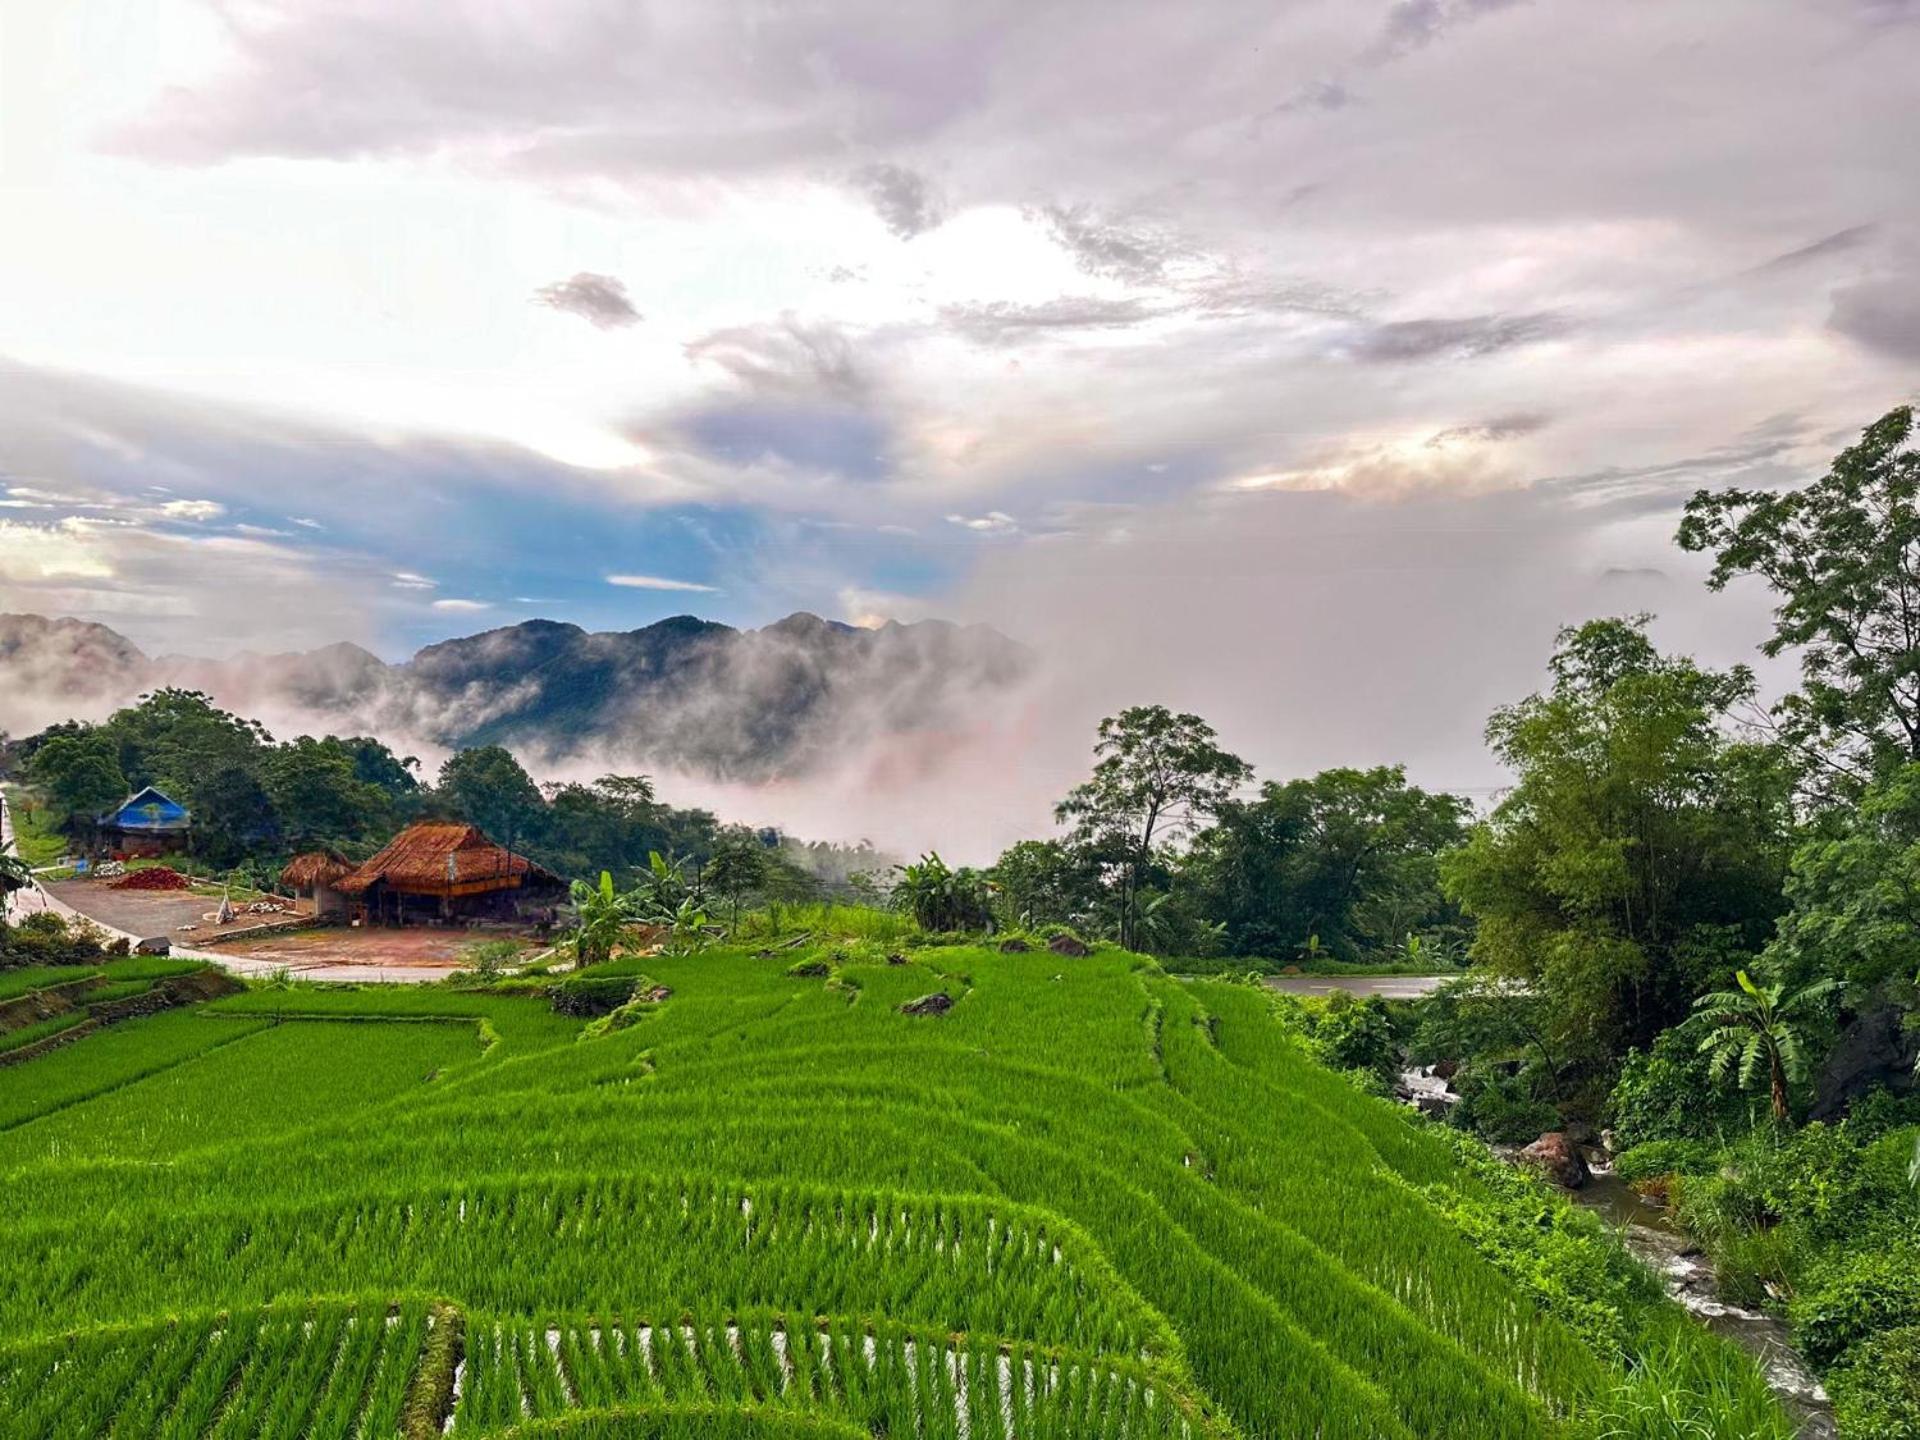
<point>1651,1236</point>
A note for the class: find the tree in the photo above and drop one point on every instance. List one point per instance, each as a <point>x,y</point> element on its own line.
<point>737,867</point>
<point>1640,845</point>
<point>14,875</point>
<point>1843,555</point>
<point>1349,856</point>
<point>318,794</point>
<point>487,786</point>
<point>80,775</point>
<point>1753,1027</point>
<point>603,914</point>
<point>233,815</point>
<point>942,899</point>
<point>1157,777</point>
<point>176,739</point>
<point>1045,882</point>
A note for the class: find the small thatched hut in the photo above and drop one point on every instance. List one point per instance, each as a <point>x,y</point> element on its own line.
<point>313,876</point>
<point>440,871</point>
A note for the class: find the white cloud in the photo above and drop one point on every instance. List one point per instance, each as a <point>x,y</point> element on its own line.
<point>462,607</point>
<point>408,580</point>
<point>994,522</point>
<point>193,510</point>
<point>659,582</point>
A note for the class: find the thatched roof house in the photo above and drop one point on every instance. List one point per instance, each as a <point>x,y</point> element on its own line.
<point>452,869</point>
<point>315,869</point>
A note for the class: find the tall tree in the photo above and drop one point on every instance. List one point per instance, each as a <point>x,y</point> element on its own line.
<point>1843,556</point>
<point>737,867</point>
<point>1639,844</point>
<point>1350,856</point>
<point>1156,778</point>
<point>487,786</point>
<point>81,776</point>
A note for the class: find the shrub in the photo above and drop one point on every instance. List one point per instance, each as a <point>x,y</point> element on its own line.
<point>941,898</point>
<point>1850,1297</point>
<point>1876,1388</point>
<point>588,995</point>
<point>1501,1104</point>
<point>1667,1157</point>
<point>1666,1094</point>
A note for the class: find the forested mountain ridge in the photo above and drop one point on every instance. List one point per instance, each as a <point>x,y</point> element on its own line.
<point>683,693</point>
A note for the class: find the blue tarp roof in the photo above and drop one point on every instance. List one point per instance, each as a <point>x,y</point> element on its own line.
<point>147,810</point>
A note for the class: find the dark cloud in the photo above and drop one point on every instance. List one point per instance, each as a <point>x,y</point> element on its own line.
<point>1462,337</point>
<point>789,357</point>
<point>1503,427</point>
<point>1882,314</point>
<point>1001,322</point>
<point>901,198</point>
<point>599,299</point>
<point>1840,242</point>
<point>1135,254</point>
<point>1415,24</point>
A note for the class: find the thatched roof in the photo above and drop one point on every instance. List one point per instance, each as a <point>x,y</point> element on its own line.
<point>316,867</point>
<point>438,859</point>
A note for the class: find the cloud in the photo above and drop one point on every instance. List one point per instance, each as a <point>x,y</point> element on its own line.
<point>408,580</point>
<point>462,607</point>
<point>1135,254</point>
<point>1882,314</point>
<point>196,510</point>
<point>901,198</point>
<point>790,356</point>
<point>1502,427</point>
<point>659,582</point>
<point>1463,337</point>
<point>1415,24</point>
<point>1840,242</point>
<point>994,522</point>
<point>600,300</point>
<point>1000,322</point>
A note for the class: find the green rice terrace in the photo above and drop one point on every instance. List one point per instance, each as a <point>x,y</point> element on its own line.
<point>770,1198</point>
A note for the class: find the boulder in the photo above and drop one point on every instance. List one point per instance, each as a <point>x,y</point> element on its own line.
<point>1446,1070</point>
<point>938,1003</point>
<point>154,945</point>
<point>1873,1051</point>
<point>1015,946</point>
<point>1069,945</point>
<point>896,958</point>
<point>1558,1158</point>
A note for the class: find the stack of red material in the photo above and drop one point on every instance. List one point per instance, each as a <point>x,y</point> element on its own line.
<point>157,878</point>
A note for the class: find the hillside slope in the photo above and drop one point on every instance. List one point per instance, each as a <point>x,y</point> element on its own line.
<point>1087,1201</point>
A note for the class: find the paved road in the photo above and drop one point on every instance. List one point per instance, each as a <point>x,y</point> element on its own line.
<point>1388,987</point>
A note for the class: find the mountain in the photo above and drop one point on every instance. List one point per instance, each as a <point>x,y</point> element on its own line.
<point>685,694</point>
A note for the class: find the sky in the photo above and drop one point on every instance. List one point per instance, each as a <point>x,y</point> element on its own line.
<point>1303,364</point>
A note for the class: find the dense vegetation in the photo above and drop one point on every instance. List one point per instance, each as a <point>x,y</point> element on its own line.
<point>1086,1200</point>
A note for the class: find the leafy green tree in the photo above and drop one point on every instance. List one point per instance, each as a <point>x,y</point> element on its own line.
<point>1638,839</point>
<point>177,739</point>
<point>487,786</point>
<point>602,914</point>
<point>233,816</point>
<point>318,795</point>
<point>81,777</point>
<point>14,875</point>
<point>1157,777</point>
<point>1045,882</point>
<point>1843,556</point>
<point>1752,1028</point>
<point>942,899</point>
<point>1854,890</point>
<point>737,867</point>
<point>1348,856</point>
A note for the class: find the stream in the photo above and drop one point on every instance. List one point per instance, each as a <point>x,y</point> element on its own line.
<point>1651,1236</point>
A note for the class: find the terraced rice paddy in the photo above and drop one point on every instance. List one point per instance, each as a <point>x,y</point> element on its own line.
<point>1086,1202</point>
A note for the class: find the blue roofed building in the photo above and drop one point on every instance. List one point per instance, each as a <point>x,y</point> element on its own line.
<point>146,823</point>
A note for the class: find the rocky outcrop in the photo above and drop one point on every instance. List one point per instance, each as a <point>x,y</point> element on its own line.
<point>1556,1156</point>
<point>1872,1052</point>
